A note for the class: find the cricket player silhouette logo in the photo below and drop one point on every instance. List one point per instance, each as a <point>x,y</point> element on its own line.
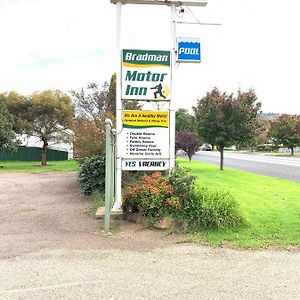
<point>159,91</point>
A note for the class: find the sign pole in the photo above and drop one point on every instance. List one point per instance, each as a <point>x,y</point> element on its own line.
<point>108,173</point>
<point>118,187</point>
<point>171,103</point>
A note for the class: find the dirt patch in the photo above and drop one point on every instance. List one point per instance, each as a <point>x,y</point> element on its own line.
<point>47,210</point>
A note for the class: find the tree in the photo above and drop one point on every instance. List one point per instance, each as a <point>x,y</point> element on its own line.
<point>95,101</point>
<point>93,105</point>
<point>8,139</point>
<point>246,109</point>
<point>261,136</point>
<point>89,137</point>
<point>51,114</point>
<point>47,115</point>
<point>188,142</point>
<point>184,120</point>
<point>18,106</point>
<point>286,131</point>
<point>91,102</point>
<point>224,120</point>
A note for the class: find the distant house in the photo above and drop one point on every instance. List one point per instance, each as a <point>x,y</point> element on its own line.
<point>287,150</point>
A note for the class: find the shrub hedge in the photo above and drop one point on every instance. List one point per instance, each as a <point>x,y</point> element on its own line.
<point>152,196</point>
<point>213,209</point>
<point>91,175</point>
<point>178,196</point>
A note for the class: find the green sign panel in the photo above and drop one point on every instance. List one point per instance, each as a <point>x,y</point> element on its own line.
<point>146,75</point>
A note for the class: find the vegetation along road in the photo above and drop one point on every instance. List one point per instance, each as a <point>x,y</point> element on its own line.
<point>281,167</point>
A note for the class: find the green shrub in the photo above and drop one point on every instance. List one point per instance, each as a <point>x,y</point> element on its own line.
<point>152,196</point>
<point>91,175</point>
<point>213,209</point>
<point>183,183</point>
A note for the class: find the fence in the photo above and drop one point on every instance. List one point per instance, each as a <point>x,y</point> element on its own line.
<point>33,154</point>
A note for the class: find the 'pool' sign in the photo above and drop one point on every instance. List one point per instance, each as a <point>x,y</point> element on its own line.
<point>188,50</point>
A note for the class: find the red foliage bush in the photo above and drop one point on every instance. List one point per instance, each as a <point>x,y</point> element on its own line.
<point>152,196</point>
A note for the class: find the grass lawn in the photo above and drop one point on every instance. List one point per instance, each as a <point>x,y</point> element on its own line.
<point>35,166</point>
<point>270,205</point>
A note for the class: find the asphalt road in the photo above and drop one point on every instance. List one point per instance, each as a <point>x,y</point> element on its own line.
<point>281,167</point>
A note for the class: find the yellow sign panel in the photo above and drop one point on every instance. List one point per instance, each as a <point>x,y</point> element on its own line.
<point>145,119</point>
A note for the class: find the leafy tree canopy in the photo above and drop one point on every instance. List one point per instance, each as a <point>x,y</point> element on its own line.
<point>224,120</point>
<point>93,105</point>
<point>8,139</point>
<point>286,131</point>
<point>95,101</point>
<point>18,106</point>
<point>184,120</point>
<point>45,115</point>
<point>188,142</point>
<point>261,136</point>
<point>50,113</point>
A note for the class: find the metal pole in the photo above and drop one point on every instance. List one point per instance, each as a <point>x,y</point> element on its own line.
<point>112,186</point>
<point>118,193</point>
<point>108,153</point>
<point>173,86</point>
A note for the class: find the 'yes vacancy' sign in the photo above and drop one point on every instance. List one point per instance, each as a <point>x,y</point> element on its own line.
<point>146,75</point>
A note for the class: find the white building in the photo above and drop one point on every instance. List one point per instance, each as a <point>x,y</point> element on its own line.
<point>33,141</point>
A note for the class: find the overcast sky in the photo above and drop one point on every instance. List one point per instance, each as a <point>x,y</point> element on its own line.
<point>64,44</point>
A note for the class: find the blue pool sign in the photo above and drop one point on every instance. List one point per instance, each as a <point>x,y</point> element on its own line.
<point>188,49</point>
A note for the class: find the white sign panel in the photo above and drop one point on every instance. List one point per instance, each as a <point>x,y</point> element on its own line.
<point>146,75</point>
<point>145,134</point>
<point>145,164</point>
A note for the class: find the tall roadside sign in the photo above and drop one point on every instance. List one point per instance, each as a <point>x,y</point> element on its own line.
<point>145,75</point>
<point>145,135</point>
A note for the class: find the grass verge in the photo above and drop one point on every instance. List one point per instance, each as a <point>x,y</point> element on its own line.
<point>270,205</point>
<point>98,200</point>
<point>35,166</point>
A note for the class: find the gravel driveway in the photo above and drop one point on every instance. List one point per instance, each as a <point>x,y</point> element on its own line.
<point>50,249</point>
